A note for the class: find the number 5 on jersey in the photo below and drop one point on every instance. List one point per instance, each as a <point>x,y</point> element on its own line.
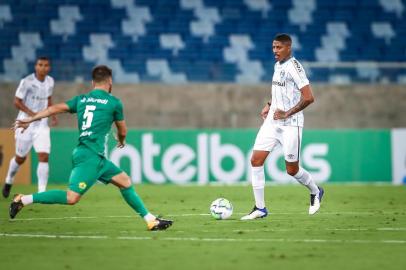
<point>88,117</point>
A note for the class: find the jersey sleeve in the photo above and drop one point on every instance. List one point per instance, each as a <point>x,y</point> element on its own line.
<point>51,87</point>
<point>72,104</point>
<point>298,74</point>
<point>21,90</point>
<point>118,112</point>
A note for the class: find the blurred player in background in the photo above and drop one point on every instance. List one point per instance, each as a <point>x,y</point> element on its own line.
<point>96,112</point>
<point>283,124</point>
<point>33,95</point>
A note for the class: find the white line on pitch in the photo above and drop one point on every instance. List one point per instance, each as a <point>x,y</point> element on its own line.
<point>55,236</point>
<point>391,229</point>
<point>303,229</point>
<point>184,215</point>
<point>51,218</point>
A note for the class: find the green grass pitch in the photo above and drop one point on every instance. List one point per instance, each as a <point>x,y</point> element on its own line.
<point>358,227</point>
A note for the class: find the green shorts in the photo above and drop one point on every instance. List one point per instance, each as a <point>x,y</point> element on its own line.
<point>88,167</point>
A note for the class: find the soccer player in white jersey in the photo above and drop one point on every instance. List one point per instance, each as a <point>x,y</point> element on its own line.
<point>33,95</point>
<point>283,123</point>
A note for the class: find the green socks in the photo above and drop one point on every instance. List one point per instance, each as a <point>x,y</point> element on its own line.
<point>59,197</point>
<point>132,198</point>
<point>50,197</point>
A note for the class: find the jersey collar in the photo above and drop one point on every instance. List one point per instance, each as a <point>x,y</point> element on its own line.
<point>100,90</point>
<point>35,76</point>
<point>286,60</point>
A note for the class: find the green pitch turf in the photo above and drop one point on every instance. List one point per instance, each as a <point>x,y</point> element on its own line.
<point>358,227</point>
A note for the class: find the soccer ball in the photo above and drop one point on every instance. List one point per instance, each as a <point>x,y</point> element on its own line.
<point>221,208</point>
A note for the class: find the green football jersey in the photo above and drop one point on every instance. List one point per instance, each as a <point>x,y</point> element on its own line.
<point>96,111</point>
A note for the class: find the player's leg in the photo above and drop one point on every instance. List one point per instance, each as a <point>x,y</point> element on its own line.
<point>264,143</point>
<point>291,143</point>
<point>83,176</point>
<point>114,175</point>
<point>23,144</point>
<point>123,182</point>
<point>47,197</point>
<point>42,145</point>
<point>42,171</point>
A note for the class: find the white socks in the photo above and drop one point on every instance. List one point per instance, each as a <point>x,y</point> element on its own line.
<point>27,199</point>
<point>12,170</point>
<point>149,217</point>
<point>304,177</point>
<point>258,185</point>
<point>42,173</point>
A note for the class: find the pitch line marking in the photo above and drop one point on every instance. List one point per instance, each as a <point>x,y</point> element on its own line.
<point>391,229</point>
<point>53,236</point>
<point>187,215</point>
<point>140,238</point>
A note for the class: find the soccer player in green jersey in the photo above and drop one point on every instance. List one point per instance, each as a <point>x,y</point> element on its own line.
<point>96,111</point>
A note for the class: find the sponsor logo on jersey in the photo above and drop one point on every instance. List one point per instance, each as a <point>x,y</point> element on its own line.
<point>85,133</point>
<point>95,100</point>
<point>282,74</point>
<point>278,83</point>
<point>297,65</point>
<point>38,98</point>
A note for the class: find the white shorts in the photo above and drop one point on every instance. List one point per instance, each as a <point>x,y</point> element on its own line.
<point>37,136</point>
<point>289,137</point>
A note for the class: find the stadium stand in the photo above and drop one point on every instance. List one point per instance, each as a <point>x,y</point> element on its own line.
<point>179,41</point>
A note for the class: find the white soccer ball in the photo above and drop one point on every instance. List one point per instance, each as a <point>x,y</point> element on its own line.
<point>221,208</point>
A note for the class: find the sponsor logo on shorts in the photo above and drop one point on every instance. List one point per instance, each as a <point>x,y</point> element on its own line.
<point>291,156</point>
<point>82,185</point>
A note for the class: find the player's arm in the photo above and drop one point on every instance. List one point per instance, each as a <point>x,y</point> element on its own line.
<point>265,110</point>
<point>19,104</point>
<point>306,99</point>
<point>121,133</point>
<point>54,109</point>
<point>300,79</point>
<point>54,120</point>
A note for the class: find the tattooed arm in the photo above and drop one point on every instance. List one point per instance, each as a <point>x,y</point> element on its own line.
<point>305,100</point>
<point>265,110</point>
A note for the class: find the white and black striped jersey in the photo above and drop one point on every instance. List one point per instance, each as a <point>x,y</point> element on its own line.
<point>288,78</point>
<point>34,94</point>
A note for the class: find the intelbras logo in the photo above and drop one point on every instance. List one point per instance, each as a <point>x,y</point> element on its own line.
<point>278,83</point>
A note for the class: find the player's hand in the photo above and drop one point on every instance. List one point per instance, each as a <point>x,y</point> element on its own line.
<point>264,112</point>
<point>119,144</point>
<point>279,114</point>
<point>23,123</point>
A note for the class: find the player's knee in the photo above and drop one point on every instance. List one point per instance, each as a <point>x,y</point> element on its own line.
<point>20,160</point>
<point>256,162</point>
<point>292,171</point>
<point>43,157</point>
<point>122,181</point>
<point>127,183</point>
<point>72,198</point>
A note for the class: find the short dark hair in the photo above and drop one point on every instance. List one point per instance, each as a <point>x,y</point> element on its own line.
<point>284,38</point>
<point>101,73</point>
<point>43,58</point>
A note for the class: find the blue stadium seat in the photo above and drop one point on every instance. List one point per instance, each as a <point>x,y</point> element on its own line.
<point>376,32</point>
